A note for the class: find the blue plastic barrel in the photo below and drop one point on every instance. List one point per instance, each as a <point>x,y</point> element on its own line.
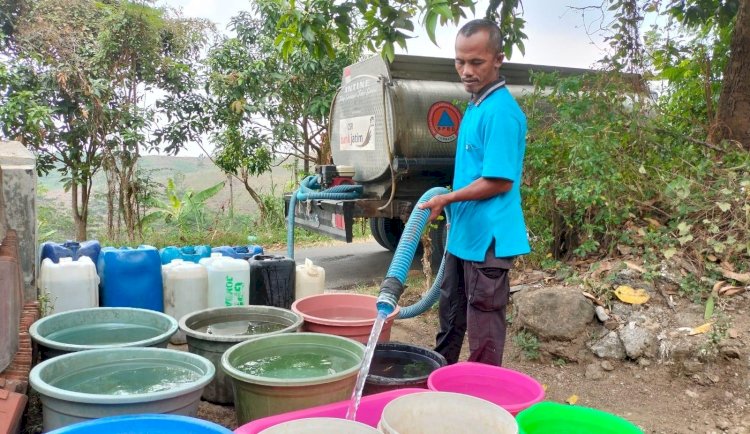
<point>144,423</point>
<point>69,249</point>
<point>239,252</point>
<point>186,253</point>
<point>130,277</point>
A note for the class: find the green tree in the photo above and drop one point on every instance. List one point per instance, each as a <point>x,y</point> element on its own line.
<point>73,88</point>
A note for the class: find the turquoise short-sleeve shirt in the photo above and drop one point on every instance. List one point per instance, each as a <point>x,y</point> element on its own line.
<point>491,144</point>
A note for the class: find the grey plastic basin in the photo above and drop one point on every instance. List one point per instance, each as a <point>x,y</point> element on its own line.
<point>101,327</point>
<point>213,345</point>
<point>109,382</point>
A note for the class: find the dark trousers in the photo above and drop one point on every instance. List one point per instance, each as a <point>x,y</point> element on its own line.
<point>474,295</point>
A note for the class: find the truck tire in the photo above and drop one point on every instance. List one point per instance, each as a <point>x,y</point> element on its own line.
<point>386,231</point>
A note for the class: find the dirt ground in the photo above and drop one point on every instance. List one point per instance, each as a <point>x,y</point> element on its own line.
<point>658,396</point>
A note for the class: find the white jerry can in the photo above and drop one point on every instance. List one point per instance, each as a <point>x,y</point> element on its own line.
<point>310,279</point>
<point>69,284</point>
<point>185,291</point>
<point>228,282</point>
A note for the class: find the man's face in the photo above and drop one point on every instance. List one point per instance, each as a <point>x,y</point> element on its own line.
<point>477,64</point>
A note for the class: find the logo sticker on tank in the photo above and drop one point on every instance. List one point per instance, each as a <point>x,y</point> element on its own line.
<point>443,119</point>
<point>357,134</point>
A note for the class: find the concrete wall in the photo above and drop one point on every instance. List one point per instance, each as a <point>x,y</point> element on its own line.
<point>19,190</point>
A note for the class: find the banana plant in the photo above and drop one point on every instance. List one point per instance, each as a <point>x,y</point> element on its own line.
<point>185,212</point>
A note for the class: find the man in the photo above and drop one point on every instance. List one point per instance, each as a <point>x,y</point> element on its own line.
<point>487,228</point>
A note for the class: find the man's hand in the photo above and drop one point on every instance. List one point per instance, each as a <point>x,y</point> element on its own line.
<point>435,205</point>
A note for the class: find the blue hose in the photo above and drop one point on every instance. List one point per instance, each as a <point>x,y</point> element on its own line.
<point>309,189</point>
<point>395,279</point>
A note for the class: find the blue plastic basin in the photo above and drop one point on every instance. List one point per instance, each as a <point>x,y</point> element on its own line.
<point>144,423</point>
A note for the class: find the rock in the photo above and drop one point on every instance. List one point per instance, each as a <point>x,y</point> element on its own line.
<point>722,423</point>
<point>691,394</point>
<point>608,366</point>
<point>730,352</point>
<point>621,310</point>
<point>638,341</point>
<point>644,362</point>
<point>558,313</point>
<point>609,347</point>
<point>594,372</point>
<point>601,314</point>
<point>692,367</point>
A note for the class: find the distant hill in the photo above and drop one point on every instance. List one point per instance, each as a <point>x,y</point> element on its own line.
<point>189,173</point>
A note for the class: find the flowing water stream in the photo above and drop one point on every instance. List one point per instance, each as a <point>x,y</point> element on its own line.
<point>377,327</point>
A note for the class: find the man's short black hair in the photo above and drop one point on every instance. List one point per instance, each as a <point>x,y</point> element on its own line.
<point>495,37</point>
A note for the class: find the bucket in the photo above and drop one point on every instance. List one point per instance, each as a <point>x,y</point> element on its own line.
<point>272,281</point>
<point>11,298</point>
<point>321,425</point>
<point>212,344</point>
<point>228,280</point>
<point>445,413</point>
<point>69,249</point>
<point>101,327</point>
<point>347,315</point>
<point>116,381</point>
<point>186,253</point>
<point>553,418</point>
<point>144,423</point>
<point>396,365</point>
<point>310,280</point>
<point>325,370</point>
<point>512,390</point>
<point>70,284</point>
<point>185,291</point>
<point>368,413</point>
<point>131,278</point>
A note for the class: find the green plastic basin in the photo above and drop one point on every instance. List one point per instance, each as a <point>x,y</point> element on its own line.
<point>101,327</point>
<point>110,382</point>
<point>213,345</point>
<point>554,418</point>
<point>286,372</point>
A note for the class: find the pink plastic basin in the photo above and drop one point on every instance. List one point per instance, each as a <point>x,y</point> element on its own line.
<point>507,388</point>
<point>369,411</point>
<point>347,315</point>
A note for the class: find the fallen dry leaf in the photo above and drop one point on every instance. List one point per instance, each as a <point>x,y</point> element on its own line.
<point>631,295</point>
<point>732,333</point>
<point>635,267</point>
<point>593,298</point>
<point>740,277</point>
<point>701,329</point>
<point>572,399</point>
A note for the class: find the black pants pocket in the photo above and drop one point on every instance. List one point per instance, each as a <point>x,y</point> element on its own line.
<point>488,288</point>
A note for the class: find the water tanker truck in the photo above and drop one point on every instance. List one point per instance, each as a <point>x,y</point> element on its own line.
<point>393,136</point>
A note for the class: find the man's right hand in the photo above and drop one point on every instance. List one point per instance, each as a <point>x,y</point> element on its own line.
<point>435,205</point>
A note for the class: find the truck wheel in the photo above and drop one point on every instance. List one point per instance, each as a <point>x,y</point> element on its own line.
<point>386,231</point>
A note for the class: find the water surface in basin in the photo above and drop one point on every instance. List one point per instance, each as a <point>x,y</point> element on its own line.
<point>300,362</point>
<point>104,334</point>
<point>235,328</point>
<point>137,377</point>
<point>397,364</point>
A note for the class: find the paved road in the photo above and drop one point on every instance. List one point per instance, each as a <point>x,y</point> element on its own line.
<point>347,265</point>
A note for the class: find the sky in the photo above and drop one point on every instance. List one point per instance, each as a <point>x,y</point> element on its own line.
<point>557,33</point>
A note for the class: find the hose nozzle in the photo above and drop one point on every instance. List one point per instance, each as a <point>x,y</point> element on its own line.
<point>390,291</point>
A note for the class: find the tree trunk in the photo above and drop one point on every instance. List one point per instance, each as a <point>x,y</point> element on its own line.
<point>733,113</point>
<point>256,197</point>
<point>79,214</point>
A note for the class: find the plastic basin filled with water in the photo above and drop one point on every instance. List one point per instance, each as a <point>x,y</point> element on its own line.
<point>397,365</point>
<point>117,381</point>
<point>348,315</point>
<point>211,332</point>
<point>101,327</point>
<point>512,390</point>
<point>144,423</point>
<point>321,425</point>
<point>286,372</point>
<point>554,418</point>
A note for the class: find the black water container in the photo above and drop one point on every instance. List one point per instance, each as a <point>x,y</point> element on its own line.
<point>396,365</point>
<point>272,281</point>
